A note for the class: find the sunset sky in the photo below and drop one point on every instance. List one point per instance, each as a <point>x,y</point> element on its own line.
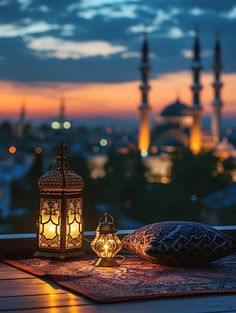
<point>89,53</point>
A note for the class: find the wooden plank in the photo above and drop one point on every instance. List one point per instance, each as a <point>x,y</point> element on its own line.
<point>29,292</point>
<point>44,301</point>
<point>14,275</point>
<point>26,287</point>
<point>21,282</point>
<point>9,272</point>
<point>205,304</point>
<point>6,267</point>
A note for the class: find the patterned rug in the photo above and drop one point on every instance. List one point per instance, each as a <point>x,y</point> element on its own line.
<point>134,279</point>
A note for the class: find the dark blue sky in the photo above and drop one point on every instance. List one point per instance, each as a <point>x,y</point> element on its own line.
<point>99,40</point>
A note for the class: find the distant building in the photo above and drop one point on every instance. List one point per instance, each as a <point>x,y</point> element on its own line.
<point>61,123</point>
<point>21,124</point>
<point>173,125</point>
<point>180,124</point>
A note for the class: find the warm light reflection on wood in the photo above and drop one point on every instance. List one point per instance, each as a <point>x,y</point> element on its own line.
<point>73,300</point>
<point>52,302</point>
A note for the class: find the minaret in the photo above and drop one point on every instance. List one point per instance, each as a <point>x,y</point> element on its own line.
<point>22,113</point>
<point>217,102</point>
<point>61,123</point>
<point>144,136</point>
<point>196,131</point>
<point>20,124</point>
<point>62,112</point>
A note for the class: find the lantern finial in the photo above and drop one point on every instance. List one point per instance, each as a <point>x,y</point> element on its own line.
<point>61,151</point>
<point>60,178</point>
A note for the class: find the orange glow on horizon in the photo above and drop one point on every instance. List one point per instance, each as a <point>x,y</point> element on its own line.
<point>109,99</point>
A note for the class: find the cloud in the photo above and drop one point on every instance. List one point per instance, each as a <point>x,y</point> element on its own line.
<point>139,28</point>
<point>24,4</point>
<point>124,11</point>
<point>175,33</point>
<point>4,3</point>
<point>230,14</point>
<point>215,6</point>
<point>197,11</point>
<point>68,29</point>
<point>135,54</point>
<point>188,54</point>
<point>51,47</point>
<point>164,16</point>
<point>49,40</point>
<point>84,4</point>
<point>160,17</point>
<point>117,9</point>
<point>44,8</point>
<point>13,30</point>
<point>130,54</point>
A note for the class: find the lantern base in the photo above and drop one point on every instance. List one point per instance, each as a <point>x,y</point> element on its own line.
<point>102,262</point>
<point>58,255</point>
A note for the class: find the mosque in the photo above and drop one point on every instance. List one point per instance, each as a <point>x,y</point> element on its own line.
<point>179,123</point>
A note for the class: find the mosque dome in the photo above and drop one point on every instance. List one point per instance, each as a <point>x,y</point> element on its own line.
<point>176,109</point>
<point>225,149</point>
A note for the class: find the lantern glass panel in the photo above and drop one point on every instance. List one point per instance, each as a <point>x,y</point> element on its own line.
<point>74,223</point>
<point>49,223</point>
<point>106,245</point>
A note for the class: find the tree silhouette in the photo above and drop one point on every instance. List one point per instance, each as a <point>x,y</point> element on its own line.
<point>198,174</point>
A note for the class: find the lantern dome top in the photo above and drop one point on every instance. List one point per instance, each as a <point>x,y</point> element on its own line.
<point>106,225</point>
<point>60,178</point>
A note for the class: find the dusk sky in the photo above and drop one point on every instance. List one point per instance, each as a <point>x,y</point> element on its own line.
<point>89,52</point>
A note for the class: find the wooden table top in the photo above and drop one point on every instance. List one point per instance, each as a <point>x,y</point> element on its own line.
<point>22,292</point>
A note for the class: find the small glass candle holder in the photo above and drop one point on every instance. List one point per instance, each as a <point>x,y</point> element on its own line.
<point>106,242</point>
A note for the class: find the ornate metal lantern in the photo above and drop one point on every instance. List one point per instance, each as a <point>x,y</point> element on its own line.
<point>60,224</point>
<point>106,242</point>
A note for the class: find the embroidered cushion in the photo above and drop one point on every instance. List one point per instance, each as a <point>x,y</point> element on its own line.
<point>179,243</point>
